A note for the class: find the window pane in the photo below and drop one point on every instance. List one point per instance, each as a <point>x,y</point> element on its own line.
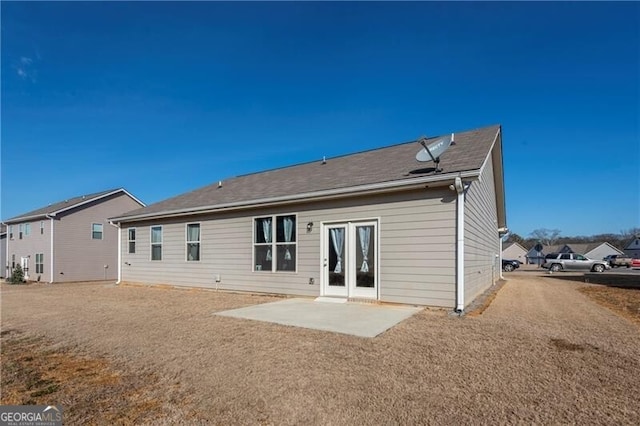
<point>263,230</point>
<point>96,229</point>
<point>132,247</point>
<point>193,251</point>
<point>156,252</point>
<point>156,234</point>
<point>263,259</point>
<point>132,234</point>
<point>286,229</point>
<point>193,232</point>
<point>286,257</point>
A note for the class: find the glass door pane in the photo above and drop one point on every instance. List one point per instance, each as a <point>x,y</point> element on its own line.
<point>365,256</point>
<point>336,257</point>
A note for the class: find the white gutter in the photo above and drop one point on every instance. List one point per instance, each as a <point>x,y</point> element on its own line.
<point>117,225</point>
<point>51,255</point>
<point>309,196</point>
<point>460,189</point>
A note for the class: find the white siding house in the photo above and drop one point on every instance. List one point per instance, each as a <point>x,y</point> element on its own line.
<point>374,225</point>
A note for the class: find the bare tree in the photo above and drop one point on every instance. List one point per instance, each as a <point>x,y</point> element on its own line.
<point>515,238</point>
<point>547,237</point>
<point>628,234</point>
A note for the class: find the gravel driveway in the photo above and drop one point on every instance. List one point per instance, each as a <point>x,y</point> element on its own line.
<point>541,353</point>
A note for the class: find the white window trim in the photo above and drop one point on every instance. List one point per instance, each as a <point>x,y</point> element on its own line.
<point>101,231</point>
<point>129,240</point>
<point>151,243</point>
<point>274,244</point>
<point>41,263</point>
<point>11,237</point>
<point>187,242</point>
<point>42,227</point>
<point>27,229</point>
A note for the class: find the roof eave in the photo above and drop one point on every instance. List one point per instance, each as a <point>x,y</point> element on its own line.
<point>73,206</point>
<point>391,186</point>
<point>495,154</point>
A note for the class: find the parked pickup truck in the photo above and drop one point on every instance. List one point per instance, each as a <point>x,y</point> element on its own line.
<point>615,260</point>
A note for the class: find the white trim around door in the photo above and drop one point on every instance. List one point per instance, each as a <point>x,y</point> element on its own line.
<point>350,259</point>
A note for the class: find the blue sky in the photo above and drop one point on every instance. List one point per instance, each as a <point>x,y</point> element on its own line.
<point>163,98</point>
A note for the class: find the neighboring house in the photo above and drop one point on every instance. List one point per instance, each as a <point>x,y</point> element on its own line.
<point>374,225</point>
<point>596,251</point>
<point>514,251</point>
<point>633,248</point>
<point>599,251</point>
<point>69,241</point>
<point>535,255</point>
<point>3,252</point>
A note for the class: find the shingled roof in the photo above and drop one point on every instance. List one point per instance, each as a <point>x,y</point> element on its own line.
<point>55,208</point>
<point>393,166</point>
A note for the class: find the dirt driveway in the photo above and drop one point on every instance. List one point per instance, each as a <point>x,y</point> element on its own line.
<point>541,353</point>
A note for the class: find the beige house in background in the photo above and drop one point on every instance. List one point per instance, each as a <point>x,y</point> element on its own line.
<point>514,251</point>
<point>68,241</point>
<point>375,225</point>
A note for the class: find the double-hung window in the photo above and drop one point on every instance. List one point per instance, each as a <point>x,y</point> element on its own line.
<point>96,231</point>
<point>20,231</point>
<point>274,245</point>
<point>193,242</point>
<point>156,243</point>
<point>131,232</point>
<point>11,232</point>
<point>27,229</point>
<point>39,263</point>
<point>41,227</point>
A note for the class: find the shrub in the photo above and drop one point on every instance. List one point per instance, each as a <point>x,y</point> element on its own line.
<point>17,277</point>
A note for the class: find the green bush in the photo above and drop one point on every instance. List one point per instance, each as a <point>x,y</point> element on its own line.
<point>17,277</point>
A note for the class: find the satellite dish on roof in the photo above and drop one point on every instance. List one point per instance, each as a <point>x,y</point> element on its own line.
<point>434,150</point>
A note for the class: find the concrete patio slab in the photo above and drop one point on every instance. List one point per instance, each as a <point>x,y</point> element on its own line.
<point>347,318</point>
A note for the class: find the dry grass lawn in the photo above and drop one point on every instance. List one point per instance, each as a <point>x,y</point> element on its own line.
<point>542,352</point>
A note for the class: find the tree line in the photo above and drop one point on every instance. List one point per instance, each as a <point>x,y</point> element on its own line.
<point>550,237</point>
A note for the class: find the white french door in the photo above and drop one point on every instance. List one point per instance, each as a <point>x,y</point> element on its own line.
<point>350,259</point>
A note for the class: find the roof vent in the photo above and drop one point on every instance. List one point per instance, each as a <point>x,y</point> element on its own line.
<point>219,184</point>
<point>324,160</point>
<point>84,196</point>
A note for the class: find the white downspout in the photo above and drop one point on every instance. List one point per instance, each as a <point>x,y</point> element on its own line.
<point>117,225</point>
<point>51,247</point>
<point>500,260</point>
<point>6,260</point>
<point>459,187</point>
<point>502,232</point>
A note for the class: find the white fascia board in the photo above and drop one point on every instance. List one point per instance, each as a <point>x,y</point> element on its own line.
<point>310,196</point>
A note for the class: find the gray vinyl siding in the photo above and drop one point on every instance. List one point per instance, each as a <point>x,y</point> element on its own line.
<point>602,251</point>
<point>29,246</point>
<point>78,257</point>
<point>481,241</point>
<point>416,250</point>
